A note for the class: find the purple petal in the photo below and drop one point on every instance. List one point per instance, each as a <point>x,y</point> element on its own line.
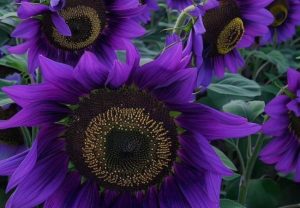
<point>297,171</point>
<point>90,72</point>
<point>293,77</point>
<point>204,75</point>
<point>61,76</point>
<point>277,106</point>
<point>151,199</point>
<point>28,9</point>
<point>288,159</point>
<point>65,193</point>
<point>21,48</point>
<point>129,29</point>
<point>24,168</point>
<point>9,150</point>
<point>9,165</point>
<point>126,199</point>
<point>276,126</point>
<point>60,24</point>
<point>294,106</point>
<point>118,75</point>
<point>109,197</point>
<point>170,195</point>
<point>88,196</point>
<point>193,187</point>
<point>36,115</point>
<point>213,124</point>
<point>44,180</point>
<point>25,95</point>
<point>177,88</point>
<point>27,29</point>
<point>198,153</point>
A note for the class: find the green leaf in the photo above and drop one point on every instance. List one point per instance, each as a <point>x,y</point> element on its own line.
<point>227,162</point>
<point>232,87</point>
<point>145,61</point>
<point>231,178</point>
<point>227,203</point>
<point>289,192</point>
<point>250,110</point>
<point>4,100</point>
<point>236,85</point>
<point>4,83</point>
<point>16,62</point>
<point>274,57</point>
<point>263,193</point>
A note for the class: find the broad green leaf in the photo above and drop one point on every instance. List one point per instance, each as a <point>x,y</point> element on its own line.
<point>263,193</point>
<point>250,110</point>
<point>232,87</point>
<point>227,162</point>
<point>227,203</point>
<point>274,57</point>
<point>236,85</point>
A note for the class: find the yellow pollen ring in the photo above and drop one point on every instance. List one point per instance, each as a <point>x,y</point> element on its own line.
<point>280,13</point>
<point>126,119</point>
<point>79,12</point>
<point>230,36</point>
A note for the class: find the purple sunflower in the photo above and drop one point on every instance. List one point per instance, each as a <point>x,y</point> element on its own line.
<point>286,18</point>
<point>284,126</point>
<point>118,136</point>
<point>221,28</point>
<point>65,29</point>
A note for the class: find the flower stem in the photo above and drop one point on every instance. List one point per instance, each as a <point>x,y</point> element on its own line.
<point>182,18</point>
<point>244,183</point>
<point>27,136</point>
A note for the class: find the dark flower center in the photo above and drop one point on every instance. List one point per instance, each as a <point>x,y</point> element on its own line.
<point>279,9</point>
<point>295,125</point>
<point>123,138</point>
<point>224,28</point>
<point>85,18</point>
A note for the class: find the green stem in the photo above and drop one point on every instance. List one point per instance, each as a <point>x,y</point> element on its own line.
<point>244,183</point>
<point>240,156</point>
<point>260,70</point>
<point>249,147</point>
<point>34,132</point>
<point>27,136</point>
<point>181,19</point>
